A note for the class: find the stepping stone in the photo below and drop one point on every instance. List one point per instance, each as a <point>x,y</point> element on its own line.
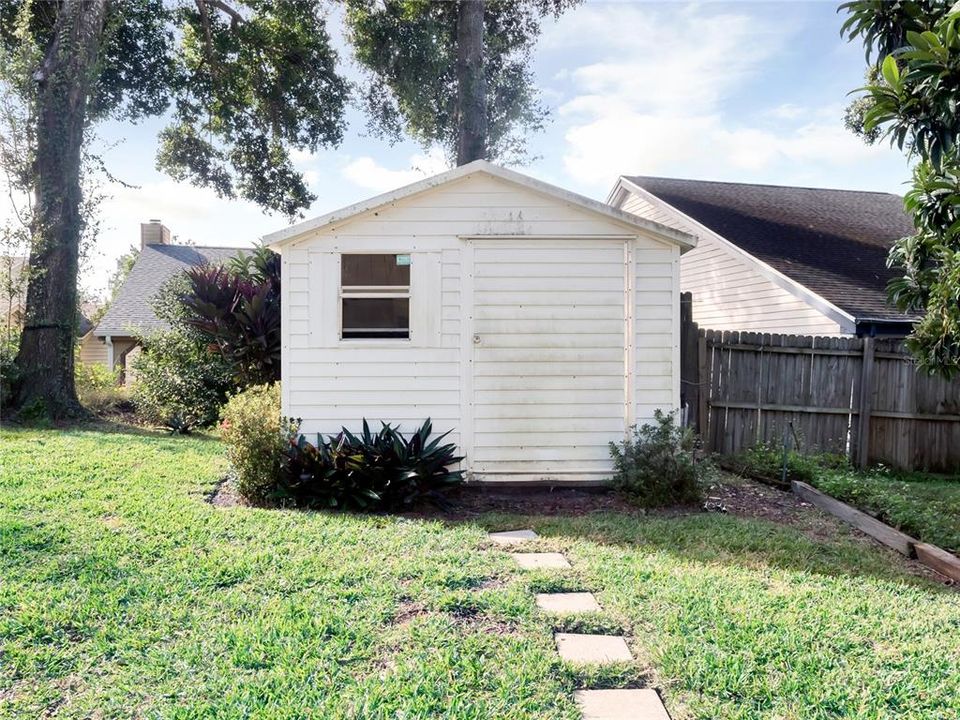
<point>536,561</point>
<point>513,537</point>
<point>620,705</point>
<point>567,603</point>
<point>592,649</point>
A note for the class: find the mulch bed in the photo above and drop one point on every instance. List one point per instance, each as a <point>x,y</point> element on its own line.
<point>743,498</point>
<point>468,502</point>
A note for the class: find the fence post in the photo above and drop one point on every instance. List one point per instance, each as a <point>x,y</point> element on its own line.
<point>703,372</point>
<point>866,402</point>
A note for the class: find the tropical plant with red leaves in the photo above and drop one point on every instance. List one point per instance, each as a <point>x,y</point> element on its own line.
<point>236,309</point>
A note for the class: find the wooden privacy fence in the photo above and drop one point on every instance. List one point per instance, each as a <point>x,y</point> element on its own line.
<point>861,397</point>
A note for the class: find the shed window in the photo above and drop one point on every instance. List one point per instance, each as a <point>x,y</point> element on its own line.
<point>375,296</point>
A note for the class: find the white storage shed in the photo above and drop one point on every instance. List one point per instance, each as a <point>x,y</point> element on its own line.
<point>535,323</point>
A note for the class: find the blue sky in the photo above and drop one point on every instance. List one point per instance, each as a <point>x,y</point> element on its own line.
<point>737,91</point>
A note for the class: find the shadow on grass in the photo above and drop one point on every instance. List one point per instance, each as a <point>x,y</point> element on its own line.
<point>689,534</point>
<point>102,425</point>
<point>714,539</point>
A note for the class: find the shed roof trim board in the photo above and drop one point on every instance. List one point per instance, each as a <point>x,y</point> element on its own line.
<point>678,237</point>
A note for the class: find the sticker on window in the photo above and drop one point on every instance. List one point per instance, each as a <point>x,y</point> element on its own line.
<point>403,259</point>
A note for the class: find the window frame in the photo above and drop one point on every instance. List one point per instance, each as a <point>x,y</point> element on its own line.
<point>375,292</point>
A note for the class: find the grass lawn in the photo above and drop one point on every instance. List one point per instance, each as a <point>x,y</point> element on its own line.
<point>925,506</point>
<point>123,593</point>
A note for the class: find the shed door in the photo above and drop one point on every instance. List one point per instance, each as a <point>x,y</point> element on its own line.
<point>549,358</point>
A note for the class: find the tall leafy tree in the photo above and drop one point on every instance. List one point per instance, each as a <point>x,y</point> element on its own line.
<point>454,74</point>
<point>914,48</point>
<point>245,83</point>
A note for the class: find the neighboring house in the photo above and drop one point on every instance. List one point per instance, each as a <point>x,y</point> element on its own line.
<point>779,259</point>
<point>130,314</point>
<point>536,324</point>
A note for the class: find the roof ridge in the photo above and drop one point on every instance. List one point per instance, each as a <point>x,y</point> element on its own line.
<point>632,178</point>
<point>204,247</point>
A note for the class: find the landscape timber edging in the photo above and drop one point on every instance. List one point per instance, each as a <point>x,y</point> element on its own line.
<point>930,555</point>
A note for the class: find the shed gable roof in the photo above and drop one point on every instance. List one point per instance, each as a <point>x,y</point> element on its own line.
<point>833,242</point>
<point>131,309</point>
<point>668,234</point>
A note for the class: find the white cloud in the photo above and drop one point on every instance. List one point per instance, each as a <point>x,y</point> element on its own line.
<point>656,58</point>
<point>702,146</point>
<point>193,214</point>
<point>372,175</point>
<point>664,92</point>
<point>786,111</point>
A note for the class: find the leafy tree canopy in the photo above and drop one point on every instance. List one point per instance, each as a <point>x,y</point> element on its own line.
<point>409,48</point>
<point>913,101</point>
<point>245,82</point>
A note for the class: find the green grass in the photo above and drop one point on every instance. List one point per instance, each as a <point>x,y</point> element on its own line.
<point>925,506</point>
<point>123,593</point>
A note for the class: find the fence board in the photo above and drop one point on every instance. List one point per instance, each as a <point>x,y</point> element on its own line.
<point>754,386</point>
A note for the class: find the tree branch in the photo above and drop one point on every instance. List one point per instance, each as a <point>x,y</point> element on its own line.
<point>235,17</point>
<point>208,36</point>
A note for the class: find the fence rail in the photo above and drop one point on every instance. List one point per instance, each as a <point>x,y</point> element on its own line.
<point>861,397</point>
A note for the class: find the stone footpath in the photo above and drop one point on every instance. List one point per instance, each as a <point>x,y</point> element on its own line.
<point>579,649</point>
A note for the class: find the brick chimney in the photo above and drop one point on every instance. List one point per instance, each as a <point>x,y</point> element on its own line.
<point>154,233</point>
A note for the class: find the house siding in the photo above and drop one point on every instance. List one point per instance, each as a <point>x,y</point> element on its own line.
<point>729,293</point>
<point>495,281</point>
<point>93,351</point>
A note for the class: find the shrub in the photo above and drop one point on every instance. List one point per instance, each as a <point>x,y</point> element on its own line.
<point>98,388</point>
<point>180,385</point>
<point>657,466</point>
<point>236,309</point>
<point>370,471</point>
<point>257,440</point>
<point>766,461</point>
<point>8,367</point>
<point>383,470</point>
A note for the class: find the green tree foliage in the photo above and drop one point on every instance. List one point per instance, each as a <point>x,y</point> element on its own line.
<point>119,276</point>
<point>423,81</point>
<point>245,83</point>
<point>916,49</point>
<point>250,82</point>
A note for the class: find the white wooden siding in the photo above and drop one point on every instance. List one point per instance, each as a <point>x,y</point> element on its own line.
<point>729,293</point>
<point>655,346</point>
<point>550,315</point>
<point>543,284</point>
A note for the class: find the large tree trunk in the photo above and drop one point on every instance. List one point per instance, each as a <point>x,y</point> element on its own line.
<point>45,360</point>
<point>471,83</point>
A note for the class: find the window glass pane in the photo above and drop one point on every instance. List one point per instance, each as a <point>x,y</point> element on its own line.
<point>376,317</point>
<point>374,270</point>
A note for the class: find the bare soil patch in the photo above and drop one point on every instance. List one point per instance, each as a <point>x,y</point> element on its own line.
<point>471,501</point>
<point>225,495</point>
<point>750,499</point>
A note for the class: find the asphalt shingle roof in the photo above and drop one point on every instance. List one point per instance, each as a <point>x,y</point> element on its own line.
<point>131,311</point>
<point>834,242</point>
